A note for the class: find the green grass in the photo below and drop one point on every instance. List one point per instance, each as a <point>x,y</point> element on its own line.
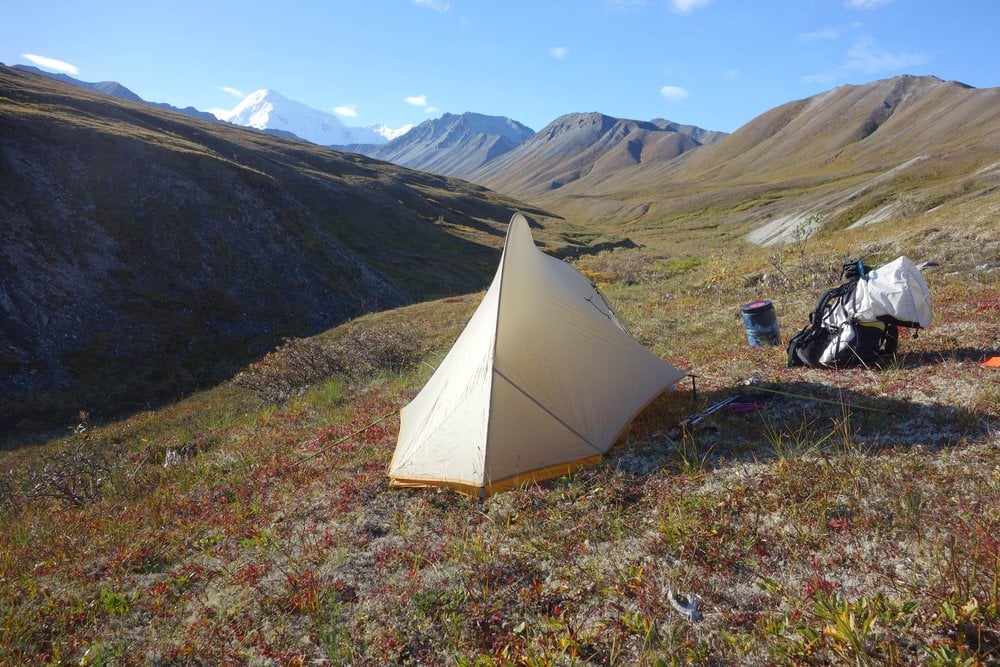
<point>850,520</point>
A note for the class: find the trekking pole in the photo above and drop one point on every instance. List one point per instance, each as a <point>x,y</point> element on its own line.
<point>679,429</point>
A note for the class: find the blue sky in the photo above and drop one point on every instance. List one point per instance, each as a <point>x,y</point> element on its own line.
<point>712,63</point>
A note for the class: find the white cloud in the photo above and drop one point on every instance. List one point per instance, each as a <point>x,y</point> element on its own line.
<point>673,93</point>
<point>731,75</point>
<point>51,63</point>
<point>819,35</point>
<point>430,110</point>
<point>688,6</point>
<point>865,56</point>
<point>624,5</point>
<point>865,4</point>
<point>559,52</point>
<point>346,110</point>
<point>232,91</point>
<point>819,78</point>
<point>437,5</point>
<point>416,100</point>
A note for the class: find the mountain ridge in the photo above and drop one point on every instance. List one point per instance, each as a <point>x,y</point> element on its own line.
<point>455,144</point>
<point>115,89</point>
<point>575,145</point>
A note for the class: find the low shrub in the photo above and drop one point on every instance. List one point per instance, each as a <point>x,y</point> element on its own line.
<point>620,265</point>
<point>285,372</point>
<point>363,351</point>
<point>76,474</point>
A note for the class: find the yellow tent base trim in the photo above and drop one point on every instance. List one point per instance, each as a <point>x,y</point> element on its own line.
<point>521,479</point>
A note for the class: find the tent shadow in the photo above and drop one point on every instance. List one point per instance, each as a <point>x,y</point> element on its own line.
<point>787,420</point>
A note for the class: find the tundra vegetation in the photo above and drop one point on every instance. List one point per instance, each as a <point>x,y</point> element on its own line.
<point>851,518</point>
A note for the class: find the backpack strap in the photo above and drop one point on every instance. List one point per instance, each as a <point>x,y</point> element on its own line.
<point>805,348</point>
<point>889,319</point>
<point>816,316</point>
<point>841,293</point>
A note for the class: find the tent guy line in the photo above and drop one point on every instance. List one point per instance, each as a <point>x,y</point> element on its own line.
<point>590,300</point>
<point>341,440</point>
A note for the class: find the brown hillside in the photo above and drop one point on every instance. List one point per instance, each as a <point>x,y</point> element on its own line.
<point>855,154</point>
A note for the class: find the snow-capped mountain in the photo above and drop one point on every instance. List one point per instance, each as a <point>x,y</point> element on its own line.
<point>388,132</point>
<point>269,110</point>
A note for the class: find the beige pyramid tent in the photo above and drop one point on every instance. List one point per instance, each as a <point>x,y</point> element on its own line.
<point>543,379</point>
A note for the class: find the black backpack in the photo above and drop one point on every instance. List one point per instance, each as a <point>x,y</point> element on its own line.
<point>852,343</point>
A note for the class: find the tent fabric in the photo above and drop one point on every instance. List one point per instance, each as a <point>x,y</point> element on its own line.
<point>543,378</point>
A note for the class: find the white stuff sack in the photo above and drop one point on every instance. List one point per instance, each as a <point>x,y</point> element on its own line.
<point>847,338</point>
<point>839,342</point>
<point>895,289</point>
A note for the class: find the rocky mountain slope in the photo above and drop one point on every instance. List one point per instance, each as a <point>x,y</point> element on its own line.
<point>144,252</point>
<point>503,154</point>
<point>454,145</point>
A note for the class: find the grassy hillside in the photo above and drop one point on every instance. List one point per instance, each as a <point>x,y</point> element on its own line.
<point>851,518</point>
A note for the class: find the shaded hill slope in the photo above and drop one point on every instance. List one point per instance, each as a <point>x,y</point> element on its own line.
<point>144,252</point>
<point>852,155</point>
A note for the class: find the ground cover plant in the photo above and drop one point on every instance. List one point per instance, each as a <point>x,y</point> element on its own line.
<point>848,518</point>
